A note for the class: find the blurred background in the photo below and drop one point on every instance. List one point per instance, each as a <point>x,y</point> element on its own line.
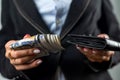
<point>115,71</point>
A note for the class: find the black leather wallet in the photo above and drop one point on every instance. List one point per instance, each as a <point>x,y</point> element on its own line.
<point>93,42</point>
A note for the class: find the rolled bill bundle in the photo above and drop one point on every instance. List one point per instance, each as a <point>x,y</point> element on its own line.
<point>48,43</point>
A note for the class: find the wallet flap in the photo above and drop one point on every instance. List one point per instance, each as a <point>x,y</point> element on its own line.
<point>93,42</point>
<point>87,41</point>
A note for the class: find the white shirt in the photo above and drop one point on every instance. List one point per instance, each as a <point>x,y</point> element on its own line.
<point>54,13</point>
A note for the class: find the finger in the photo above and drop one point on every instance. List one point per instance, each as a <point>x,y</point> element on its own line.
<point>22,60</point>
<point>85,50</point>
<point>97,55</point>
<point>78,47</point>
<point>103,36</point>
<point>99,58</point>
<point>8,49</point>
<point>105,58</point>
<point>7,45</point>
<point>98,52</point>
<point>95,59</point>
<point>27,36</point>
<point>104,53</point>
<point>23,53</point>
<point>92,60</point>
<point>7,54</point>
<point>88,52</point>
<point>28,66</point>
<point>109,53</point>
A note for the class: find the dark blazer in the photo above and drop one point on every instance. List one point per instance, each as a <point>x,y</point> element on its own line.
<point>20,17</point>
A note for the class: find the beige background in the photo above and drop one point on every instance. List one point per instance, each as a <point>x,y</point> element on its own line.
<point>115,71</point>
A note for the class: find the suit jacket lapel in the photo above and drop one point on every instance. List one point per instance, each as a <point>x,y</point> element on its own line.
<point>77,9</point>
<point>29,9</point>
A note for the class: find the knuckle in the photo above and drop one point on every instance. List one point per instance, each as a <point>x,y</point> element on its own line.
<point>6,45</point>
<point>20,61</point>
<point>16,55</point>
<point>29,51</point>
<point>6,55</point>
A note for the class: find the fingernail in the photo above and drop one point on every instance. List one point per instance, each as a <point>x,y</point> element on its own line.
<point>85,49</point>
<point>39,61</point>
<point>27,35</point>
<point>36,51</point>
<point>78,48</point>
<point>93,51</point>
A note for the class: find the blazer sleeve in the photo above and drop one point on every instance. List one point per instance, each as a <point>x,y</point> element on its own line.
<point>6,33</point>
<point>107,24</point>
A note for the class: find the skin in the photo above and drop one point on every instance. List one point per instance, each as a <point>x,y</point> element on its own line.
<point>24,59</point>
<point>96,55</point>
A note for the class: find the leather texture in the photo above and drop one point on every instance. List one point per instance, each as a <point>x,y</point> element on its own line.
<point>94,42</point>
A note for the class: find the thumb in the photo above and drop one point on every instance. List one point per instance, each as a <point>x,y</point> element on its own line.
<point>103,36</point>
<point>27,36</point>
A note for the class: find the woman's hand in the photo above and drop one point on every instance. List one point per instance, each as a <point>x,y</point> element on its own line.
<point>95,55</point>
<point>22,59</point>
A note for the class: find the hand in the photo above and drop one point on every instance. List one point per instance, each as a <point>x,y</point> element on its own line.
<point>95,55</point>
<point>22,59</point>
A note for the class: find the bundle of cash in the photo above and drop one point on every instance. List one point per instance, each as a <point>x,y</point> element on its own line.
<point>47,43</point>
